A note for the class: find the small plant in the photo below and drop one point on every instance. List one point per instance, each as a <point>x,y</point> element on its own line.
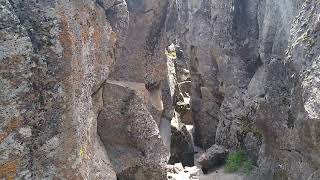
<point>238,161</point>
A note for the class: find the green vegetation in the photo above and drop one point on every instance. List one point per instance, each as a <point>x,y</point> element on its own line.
<point>239,161</point>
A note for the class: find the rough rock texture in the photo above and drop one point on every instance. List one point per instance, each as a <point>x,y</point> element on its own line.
<point>212,157</point>
<point>129,132</point>
<point>54,57</point>
<point>246,91</point>
<point>206,33</point>
<point>142,59</point>
<point>289,116</point>
<point>181,144</point>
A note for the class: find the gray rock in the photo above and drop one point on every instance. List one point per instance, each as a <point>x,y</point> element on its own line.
<point>181,144</point>
<point>253,67</point>
<point>212,157</point>
<point>53,59</point>
<point>118,15</point>
<point>244,92</point>
<point>185,87</point>
<point>183,102</point>
<point>218,67</point>
<point>137,150</point>
<point>106,4</point>
<point>289,113</point>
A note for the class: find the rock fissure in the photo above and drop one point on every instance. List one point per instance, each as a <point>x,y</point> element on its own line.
<point>154,90</point>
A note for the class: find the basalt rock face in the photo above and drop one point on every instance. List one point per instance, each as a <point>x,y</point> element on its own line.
<point>54,58</point>
<point>247,92</point>
<point>141,153</point>
<point>219,39</point>
<point>289,116</point>
<point>129,132</point>
<point>213,157</point>
<point>86,89</point>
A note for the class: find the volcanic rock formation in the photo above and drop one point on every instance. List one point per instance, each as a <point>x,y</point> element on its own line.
<point>88,92</point>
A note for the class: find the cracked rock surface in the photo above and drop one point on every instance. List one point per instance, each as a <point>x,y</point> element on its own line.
<point>87,91</point>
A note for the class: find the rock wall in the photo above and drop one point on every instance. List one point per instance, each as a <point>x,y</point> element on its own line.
<point>289,116</point>
<point>56,58</point>
<point>220,41</point>
<point>143,127</point>
<point>248,62</point>
<point>75,74</point>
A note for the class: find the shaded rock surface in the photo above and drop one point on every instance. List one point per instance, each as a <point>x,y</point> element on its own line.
<point>253,65</point>
<point>249,67</point>
<point>54,58</point>
<point>290,113</point>
<point>212,157</point>
<point>138,145</point>
<point>181,144</point>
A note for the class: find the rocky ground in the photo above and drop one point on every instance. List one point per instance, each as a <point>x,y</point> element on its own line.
<point>220,174</point>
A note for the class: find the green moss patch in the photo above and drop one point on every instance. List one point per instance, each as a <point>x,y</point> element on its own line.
<point>238,161</point>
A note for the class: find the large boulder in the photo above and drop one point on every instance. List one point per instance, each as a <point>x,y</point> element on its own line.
<point>181,144</point>
<point>212,157</point>
<point>129,132</point>
<point>142,57</point>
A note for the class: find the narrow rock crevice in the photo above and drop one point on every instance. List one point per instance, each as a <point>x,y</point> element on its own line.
<point>150,89</point>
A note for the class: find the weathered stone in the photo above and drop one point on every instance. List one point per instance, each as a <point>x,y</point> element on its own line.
<point>181,144</point>
<point>252,145</point>
<point>212,157</point>
<point>54,56</point>
<point>106,4</point>
<point>118,16</point>
<point>142,57</point>
<point>137,150</point>
<point>216,67</point>
<point>185,88</point>
<point>246,90</point>
<point>184,110</point>
<point>289,116</point>
<point>239,77</point>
